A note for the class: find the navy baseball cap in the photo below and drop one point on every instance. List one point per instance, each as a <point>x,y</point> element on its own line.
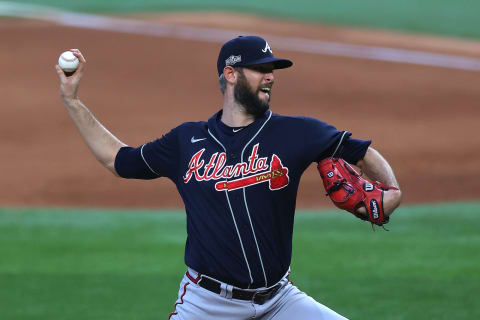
<point>246,51</point>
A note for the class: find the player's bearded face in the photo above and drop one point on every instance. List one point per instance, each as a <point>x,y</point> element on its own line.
<point>249,98</point>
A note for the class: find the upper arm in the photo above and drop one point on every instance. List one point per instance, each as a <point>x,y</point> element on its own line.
<point>129,163</point>
<point>322,140</point>
<point>317,138</point>
<point>154,159</point>
<point>354,150</point>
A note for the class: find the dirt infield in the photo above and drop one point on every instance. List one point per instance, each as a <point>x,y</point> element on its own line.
<point>422,119</point>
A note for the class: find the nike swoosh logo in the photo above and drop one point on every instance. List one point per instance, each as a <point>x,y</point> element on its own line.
<point>237,130</point>
<point>196,140</point>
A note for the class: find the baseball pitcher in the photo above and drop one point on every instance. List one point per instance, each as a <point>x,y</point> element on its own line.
<point>238,175</point>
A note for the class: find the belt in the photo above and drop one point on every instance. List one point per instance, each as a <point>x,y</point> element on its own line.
<point>258,297</point>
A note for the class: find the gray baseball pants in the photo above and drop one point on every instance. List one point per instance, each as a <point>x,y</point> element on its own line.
<point>197,303</point>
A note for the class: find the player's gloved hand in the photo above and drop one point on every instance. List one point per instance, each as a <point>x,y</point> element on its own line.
<point>69,85</point>
<point>370,201</point>
<point>391,198</point>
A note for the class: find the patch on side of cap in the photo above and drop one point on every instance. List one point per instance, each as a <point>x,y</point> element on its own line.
<point>233,60</point>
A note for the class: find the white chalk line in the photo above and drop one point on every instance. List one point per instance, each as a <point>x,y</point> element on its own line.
<point>89,21</point>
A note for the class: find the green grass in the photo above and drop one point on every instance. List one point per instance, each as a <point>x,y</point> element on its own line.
<point>98,264</point>
<point>454,18</point>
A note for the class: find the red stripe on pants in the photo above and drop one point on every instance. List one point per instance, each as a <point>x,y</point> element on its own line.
<point>181,300</point>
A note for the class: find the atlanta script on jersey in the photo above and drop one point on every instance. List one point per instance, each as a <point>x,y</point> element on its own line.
<point>242,173</point>
<point>239,187</point>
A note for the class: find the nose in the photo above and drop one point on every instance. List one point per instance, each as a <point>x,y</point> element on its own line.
<point>268,77</point>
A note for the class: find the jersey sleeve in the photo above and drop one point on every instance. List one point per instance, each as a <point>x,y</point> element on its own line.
<point>353,150</point>
<point>158,158</point>
<point>322,140</point>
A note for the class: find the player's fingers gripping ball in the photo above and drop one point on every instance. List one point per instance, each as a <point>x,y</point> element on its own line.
<point>68,62</point>
<point>349,191</point>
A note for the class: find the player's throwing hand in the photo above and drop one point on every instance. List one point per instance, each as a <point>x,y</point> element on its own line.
<point>69,85</point>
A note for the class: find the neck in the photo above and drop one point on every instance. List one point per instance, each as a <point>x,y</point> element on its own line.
<point>234,114</point>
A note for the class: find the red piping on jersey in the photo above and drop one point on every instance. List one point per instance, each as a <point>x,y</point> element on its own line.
<point>194,280</point>
<point>181,300</point>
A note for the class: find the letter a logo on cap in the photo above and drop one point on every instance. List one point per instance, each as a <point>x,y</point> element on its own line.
<point>267,47</point>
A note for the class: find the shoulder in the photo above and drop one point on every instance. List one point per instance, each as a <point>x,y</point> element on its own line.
<point>300,122</point>
<point>179,133</point>
<point>186,126</point>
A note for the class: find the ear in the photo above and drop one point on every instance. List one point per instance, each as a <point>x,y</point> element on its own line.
<point>230,74</point>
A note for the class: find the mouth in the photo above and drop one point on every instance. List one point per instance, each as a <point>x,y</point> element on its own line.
<point>266,91</point>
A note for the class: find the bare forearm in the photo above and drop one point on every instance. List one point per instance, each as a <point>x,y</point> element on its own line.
<point>103,144</point>
<point>377,168</point>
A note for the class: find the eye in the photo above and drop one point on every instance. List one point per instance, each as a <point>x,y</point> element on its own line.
<point>262,68</point>
<point>265,70</point>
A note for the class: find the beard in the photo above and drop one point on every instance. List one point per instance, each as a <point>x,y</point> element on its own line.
<point>249,99</point>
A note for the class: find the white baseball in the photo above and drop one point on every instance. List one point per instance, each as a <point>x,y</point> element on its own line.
<point>68,62</point>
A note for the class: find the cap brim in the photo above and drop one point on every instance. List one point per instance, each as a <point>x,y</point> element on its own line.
<point>277,63</point>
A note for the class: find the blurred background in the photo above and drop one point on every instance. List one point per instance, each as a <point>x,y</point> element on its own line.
<point>405,74</point>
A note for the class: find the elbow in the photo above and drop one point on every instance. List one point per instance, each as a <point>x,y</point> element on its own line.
<point>110,165</point>
<point>108,161</point>
<point>397,198</point>
<point>392,200</point>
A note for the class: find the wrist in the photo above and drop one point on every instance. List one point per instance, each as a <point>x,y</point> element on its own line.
<point>71,102</point>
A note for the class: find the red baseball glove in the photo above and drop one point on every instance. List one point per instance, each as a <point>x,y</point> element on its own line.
<point>349,191</point>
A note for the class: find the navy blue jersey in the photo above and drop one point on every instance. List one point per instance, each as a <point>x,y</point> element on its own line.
<point>239,186</point>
